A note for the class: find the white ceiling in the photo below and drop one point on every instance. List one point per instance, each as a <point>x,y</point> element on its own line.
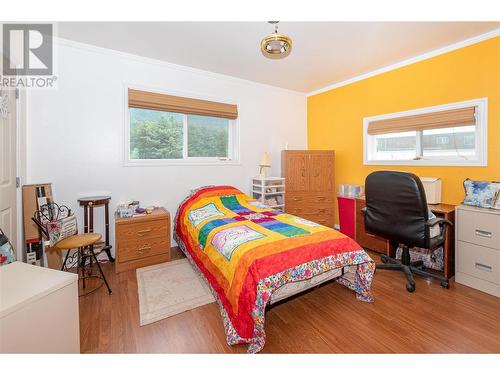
<point>323,53</point>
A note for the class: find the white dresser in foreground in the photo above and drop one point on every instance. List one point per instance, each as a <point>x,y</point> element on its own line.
<point>38,310</point>
<point>477,248</point>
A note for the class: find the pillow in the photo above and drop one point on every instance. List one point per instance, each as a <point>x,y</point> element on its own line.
<point>483,194</point>
<point>60,229</point>
<point>6,251</point>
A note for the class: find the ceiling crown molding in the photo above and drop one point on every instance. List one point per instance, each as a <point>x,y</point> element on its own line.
<point>162,63</point>
<point>412,60</point>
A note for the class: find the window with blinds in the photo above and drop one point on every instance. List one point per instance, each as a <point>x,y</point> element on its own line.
<point>164,128</point>
<point>451,134</point>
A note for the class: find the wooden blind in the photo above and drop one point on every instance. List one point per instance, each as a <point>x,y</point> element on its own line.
<point>433,120</point>
<point>179,104</point>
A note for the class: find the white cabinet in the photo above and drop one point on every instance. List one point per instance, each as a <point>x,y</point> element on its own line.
<point>270,191</point>
<point>38,310</point>
<point>477,248</point>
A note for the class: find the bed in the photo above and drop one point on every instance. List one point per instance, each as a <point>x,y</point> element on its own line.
<point>252,255</point>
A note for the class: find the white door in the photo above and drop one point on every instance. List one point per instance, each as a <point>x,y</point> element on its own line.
<point>8,206</point>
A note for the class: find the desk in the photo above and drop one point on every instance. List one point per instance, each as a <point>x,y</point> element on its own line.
<point>381,245</point>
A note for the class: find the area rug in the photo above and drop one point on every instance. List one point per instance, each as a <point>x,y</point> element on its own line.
<point>168,289</point>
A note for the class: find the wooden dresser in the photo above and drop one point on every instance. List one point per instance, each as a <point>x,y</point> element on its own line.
<point>310,187</point>
<point>478,248</point>
<point>142,240</point>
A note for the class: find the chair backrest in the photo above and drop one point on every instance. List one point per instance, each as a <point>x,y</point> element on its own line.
<point>396,207</point>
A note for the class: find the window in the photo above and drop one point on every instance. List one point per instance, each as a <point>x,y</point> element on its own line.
<point>395,146</point>
<point>452,134</point>
<point>440,140</point>
<point>164,129</point>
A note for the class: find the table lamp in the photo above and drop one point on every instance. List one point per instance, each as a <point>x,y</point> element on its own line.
<point>265,162</point>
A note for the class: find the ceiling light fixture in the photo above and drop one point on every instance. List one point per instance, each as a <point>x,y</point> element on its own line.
<point>276,46</point>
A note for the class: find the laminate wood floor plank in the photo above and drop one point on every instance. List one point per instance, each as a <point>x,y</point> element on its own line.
<point>328,319</point>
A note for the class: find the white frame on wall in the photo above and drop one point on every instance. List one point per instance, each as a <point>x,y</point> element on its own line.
<point>233,134</point>
<point>481,136</point>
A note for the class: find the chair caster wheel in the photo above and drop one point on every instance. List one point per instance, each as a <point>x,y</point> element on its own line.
<point>383,259</point>
<point>445,284</point>
<point>410,287</point>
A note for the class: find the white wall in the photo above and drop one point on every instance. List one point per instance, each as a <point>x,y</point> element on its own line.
<point>75,133</point>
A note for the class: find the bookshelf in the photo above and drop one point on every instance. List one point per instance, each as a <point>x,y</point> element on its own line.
<point>270,191</point>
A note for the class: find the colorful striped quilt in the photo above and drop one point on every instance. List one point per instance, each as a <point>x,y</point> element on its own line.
<point>246,250</point>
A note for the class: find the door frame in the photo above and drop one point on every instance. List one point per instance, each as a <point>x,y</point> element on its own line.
<point>21,139</point>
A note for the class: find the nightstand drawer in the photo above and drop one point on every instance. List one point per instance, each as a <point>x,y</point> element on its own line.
<point>479,228</point>
<point>478,261</point>
<point>145,230</point>
<point>131,250</point>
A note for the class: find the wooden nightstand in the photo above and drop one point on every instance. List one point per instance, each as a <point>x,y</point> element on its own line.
<point>142,240</point>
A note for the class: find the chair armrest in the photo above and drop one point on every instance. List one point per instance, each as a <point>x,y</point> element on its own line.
<point>438,220</point>
<point>443,224</point>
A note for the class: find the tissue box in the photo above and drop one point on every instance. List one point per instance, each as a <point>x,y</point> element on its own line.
<point>432,187</point>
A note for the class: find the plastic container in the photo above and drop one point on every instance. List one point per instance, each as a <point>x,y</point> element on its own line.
<point>432,187</point>
<point>350,190</point>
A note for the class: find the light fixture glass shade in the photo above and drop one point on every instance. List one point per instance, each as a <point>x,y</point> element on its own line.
<point>276,46</point>
<point>265,160</point>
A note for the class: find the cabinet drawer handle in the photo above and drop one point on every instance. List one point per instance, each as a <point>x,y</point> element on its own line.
<point>321,210</point>
<point>483,233</point>
<point>143,232</point>
<point>144,248</point>
<point>483,267</point>
<point>320,199</point>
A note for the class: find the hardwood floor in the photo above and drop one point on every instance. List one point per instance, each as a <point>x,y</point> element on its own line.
<point>328,319</point>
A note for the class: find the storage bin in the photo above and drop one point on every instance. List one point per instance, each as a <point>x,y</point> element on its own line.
<point>350,190</point>
<point>432,187</point>
<point>432,259</point>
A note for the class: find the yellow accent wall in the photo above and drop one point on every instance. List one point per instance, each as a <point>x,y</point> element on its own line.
<point>335,117</point>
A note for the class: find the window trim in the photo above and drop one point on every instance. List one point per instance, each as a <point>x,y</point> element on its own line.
<point>233,135</point>
<point>481,136</point>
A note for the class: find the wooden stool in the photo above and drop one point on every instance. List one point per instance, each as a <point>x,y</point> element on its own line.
<point>88,204</point>
<point>84,243</point>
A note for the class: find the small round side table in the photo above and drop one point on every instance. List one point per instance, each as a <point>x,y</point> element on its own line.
<point>88,204</point>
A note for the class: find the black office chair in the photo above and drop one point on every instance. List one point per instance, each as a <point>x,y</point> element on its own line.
<point>396,209</point>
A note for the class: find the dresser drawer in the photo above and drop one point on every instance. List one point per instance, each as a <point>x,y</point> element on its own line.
<point>479,228</point>
<point>478,261</point>
<point>295,199</point>
<point>131,250</point>
<point>326,220</point>
<point>146,230</point>
<point>299,210</point>
<point>307,199</point>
